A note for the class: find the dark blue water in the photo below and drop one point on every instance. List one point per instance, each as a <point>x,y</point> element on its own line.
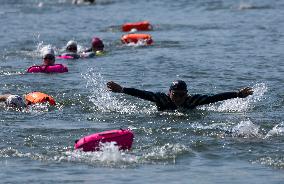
<point>215,46</point>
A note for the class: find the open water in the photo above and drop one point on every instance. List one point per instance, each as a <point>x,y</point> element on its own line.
<point>214,45</point>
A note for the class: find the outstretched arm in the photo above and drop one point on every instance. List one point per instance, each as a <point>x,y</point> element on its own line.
<point>204,99</point>
<point>146,95</point>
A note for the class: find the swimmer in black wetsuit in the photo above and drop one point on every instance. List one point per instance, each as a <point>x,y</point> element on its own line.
<point>178,96</point>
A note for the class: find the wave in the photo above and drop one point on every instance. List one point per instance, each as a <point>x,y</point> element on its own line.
<point>277,130</point>
<point>248,6</point>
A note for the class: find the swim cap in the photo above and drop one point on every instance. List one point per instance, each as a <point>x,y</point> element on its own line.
<point>71,44</point>
<point>47,51</point>
<point>97,43</point>
<point>178,85</point>
<point>15,101</point>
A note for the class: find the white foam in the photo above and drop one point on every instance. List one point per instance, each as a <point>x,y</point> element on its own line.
<point>166,152</point>
<point>108,155</point>
<point>140,43</point>
<point>246,129</point>
<point>41,47</point>
<point>40,4</point>
<point>277,130</point>
<point>245,5</point>
<point>133,30</point>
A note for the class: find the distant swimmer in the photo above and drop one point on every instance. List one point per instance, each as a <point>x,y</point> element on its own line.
<point>177,96</point>
<point>71,49</point>
<point>97,48</point>
<point>48,65</point>
<point>83,1</point>
<point>13,101</point>
<point>19,102</point>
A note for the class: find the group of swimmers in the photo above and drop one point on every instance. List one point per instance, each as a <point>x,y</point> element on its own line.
<point>176,98</point>
<point>71,49</point>
<point>48,57</point>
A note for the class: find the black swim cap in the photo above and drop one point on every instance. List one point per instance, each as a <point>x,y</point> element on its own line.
<point>178,85</point>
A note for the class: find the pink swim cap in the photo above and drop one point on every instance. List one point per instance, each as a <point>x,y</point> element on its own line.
<point>97,43</point>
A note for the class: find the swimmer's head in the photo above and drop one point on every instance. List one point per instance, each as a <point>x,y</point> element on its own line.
<point>178,85</point>
<point>48,56</point>
<point>178,92</point>
<point>71,46</point>
<point>15,101</point>
<point>97,44</point>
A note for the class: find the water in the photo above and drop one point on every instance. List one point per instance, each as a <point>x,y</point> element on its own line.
<point>215,46</point>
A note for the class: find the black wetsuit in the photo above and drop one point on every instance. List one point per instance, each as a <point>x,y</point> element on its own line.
<point>164,102</point>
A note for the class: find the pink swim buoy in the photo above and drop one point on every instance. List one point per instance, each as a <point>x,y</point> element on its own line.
<point>123,139</point>
<point>57,68</point>
<point>64,57</point>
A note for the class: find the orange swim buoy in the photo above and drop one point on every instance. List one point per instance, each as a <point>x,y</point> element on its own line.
<point>140,26</point>
<point>134,38</point>
<point>38,97</point>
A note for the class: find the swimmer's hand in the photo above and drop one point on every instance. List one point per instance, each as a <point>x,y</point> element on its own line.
<point>245,92</point>
<point>114,87</point>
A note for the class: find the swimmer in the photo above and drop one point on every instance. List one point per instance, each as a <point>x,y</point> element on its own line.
<point>18,102</point>
<point>13,101</point>
<point>97,48</point>
<point>178,96</point>
<point>48,56</point>
<point>71,50</point>
<point>48,65</point>
<point>83,1</point>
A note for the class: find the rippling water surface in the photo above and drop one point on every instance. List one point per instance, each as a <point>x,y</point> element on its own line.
<point>215,46</point>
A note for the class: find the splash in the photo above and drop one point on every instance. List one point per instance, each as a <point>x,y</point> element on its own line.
<point>248,6</point>
<point>239,104</point>
<point>41,46</point>
<point>277,130</point>
<point>109,155</point>
<point>40,4</point>
<point>246,129</point>
<point>244,6</point>
<point>11,152</point>
<point>102,98</point>
<point>133,30</point>
<point>6,73</point>
<point>140,43</point>
<point>38,108</point>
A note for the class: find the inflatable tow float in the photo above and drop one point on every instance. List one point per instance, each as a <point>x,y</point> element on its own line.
<point>57,68</point>
<point>39,97</point>
<point>123,139</point>
<point>64,57</point>
<point>134,38</point>
<point>139,26</point>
